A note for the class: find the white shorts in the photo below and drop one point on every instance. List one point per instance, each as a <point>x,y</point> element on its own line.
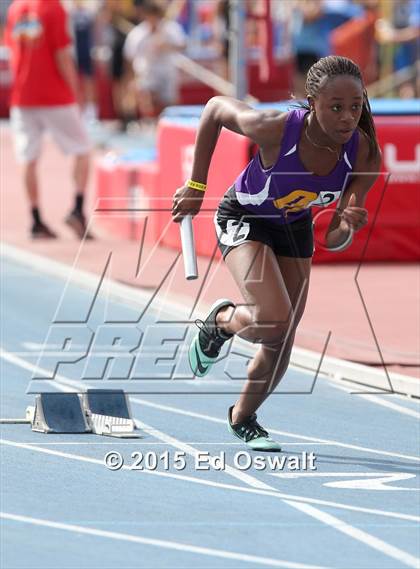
<point>63,122</point>
<point>165,89</point>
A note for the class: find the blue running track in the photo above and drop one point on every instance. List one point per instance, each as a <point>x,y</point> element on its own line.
<point>61,507</point>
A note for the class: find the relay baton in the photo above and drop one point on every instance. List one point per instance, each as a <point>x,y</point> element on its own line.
<point>188,248</point>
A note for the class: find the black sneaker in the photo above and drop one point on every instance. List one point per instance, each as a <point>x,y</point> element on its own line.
<point>41,231</point>
<point>251,433</point>
<point>77,222</point>
<point>206,346</point>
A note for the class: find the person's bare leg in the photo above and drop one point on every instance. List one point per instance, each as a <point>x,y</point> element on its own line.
<point>76,218</point>
<point>265,371</point>
<point>31,183</point>
<point>266,317</point>
<point>269,365</point>
<point>272,359</point>
<point>81,172</point>
<point>266,313</point>
<point>145,104</point>
<point>30,178</point>
<point>90,107</point>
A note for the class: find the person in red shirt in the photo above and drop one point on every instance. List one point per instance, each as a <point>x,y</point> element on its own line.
<point>43,98</point>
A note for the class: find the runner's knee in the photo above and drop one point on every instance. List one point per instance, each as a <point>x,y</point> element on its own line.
<point>271,328</point>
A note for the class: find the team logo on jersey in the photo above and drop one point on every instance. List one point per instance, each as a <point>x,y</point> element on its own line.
<point>326,198</point>
<point>296,200</point>
<point>302,199</point>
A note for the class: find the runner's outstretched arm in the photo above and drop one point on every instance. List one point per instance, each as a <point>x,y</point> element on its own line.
<point>262,127</point>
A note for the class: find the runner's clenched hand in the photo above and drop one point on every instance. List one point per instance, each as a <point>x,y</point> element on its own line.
<point>186,201</point>
<point>354,216</point>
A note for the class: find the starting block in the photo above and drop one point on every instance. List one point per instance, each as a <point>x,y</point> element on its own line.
<point>58,413</point>
<point>111,402</point>
<point>109,412</point>
<point>99,411</point>
<point>113,426</point>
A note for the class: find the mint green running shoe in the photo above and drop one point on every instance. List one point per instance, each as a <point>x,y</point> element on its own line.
<point>205,347</point>
<point>252,434</point>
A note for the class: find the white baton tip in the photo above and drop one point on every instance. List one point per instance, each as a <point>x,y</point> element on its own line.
<point>188,248</point>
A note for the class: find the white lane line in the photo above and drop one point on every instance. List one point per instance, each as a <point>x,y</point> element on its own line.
<point>161,543</point>
<point>140,442</point>
<point>384,402</point>
<point>379,484</point>
<point>221,485</point>
<point>64,383</point>
<point>136,297</point>
<point>340,474</point>
<point>275,431</point>
<point>359,535</point>
<point>30,367</point>
<point>362,389</point>
<point>242,476</point>
<point>375,480</point>
<point>379,400</point>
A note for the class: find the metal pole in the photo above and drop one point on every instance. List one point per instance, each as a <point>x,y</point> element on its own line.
<point>237,48</point>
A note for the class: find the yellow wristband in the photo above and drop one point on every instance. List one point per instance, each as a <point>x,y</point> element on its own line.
<point>196,185</point>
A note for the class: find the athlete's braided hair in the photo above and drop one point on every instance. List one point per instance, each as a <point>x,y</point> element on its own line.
<point>332,66</point>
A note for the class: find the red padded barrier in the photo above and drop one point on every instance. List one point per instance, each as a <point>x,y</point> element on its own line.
<point>125,193</point>
<point>393,232</point>
<point>175,150</point>
<point>113,181</point>
<point>147,184</point>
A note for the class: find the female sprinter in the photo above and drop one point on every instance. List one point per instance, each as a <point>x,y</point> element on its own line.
<point>309,156</point>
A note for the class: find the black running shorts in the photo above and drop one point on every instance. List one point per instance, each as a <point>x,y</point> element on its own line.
<point>235,225</point>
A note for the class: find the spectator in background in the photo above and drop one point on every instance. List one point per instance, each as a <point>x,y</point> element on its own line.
<point>404,33</point>
<point>44,99</point>
<point>309,39</point>
<point>222,27</point>
<point>313,21</point>
<point>121,19</point>
<point>83,23</point>
<point>150,47</point>
<point>4,6</point>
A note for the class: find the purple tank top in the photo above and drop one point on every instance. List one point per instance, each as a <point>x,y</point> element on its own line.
<point>286,191</point>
